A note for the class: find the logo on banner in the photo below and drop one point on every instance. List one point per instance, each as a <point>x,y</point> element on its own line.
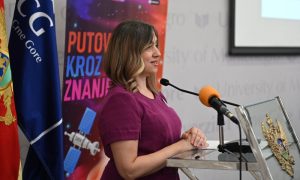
<point>3,66</point>
<point>6,114</point>
<point>29,43</point>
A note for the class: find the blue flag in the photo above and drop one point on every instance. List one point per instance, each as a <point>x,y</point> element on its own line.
<point>35,73</point>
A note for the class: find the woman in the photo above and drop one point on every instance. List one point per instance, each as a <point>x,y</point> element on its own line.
<point>138,129</point>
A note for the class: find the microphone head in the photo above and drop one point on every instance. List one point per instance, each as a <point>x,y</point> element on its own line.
<point>164,82</point>
<point>206,93</point>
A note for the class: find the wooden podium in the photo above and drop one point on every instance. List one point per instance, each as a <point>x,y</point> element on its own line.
<point>271,137</point>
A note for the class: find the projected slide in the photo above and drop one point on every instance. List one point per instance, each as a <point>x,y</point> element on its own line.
<point>265,27</point>
<point>281,9</point>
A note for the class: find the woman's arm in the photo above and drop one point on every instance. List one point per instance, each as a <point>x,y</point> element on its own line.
<point>131,166</point>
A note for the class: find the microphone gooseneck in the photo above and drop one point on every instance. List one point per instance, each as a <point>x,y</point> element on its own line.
<point>166,82</point>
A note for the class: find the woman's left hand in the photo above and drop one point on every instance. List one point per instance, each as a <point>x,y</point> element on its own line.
<point>197,137</point>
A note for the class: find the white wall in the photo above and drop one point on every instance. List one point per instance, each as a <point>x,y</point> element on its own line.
<point>196,55</point>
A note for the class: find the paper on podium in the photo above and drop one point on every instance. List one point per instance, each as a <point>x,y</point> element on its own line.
<point>213,144</point>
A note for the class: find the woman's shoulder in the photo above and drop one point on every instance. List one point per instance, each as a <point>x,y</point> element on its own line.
<point>119,98</point>
<point>119,93</point>
<point>118,90</point>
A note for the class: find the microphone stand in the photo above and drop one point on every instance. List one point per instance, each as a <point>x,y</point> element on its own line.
<point>221,131</point>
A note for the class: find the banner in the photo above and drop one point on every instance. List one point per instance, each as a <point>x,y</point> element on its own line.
<point>9,142</point>
<point>34,64</point>
<point>88,30</point>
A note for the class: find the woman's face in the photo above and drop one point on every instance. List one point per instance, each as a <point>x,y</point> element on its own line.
<point>151,57</point>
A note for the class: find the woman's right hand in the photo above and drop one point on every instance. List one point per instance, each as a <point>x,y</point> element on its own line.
<point>196,137</point>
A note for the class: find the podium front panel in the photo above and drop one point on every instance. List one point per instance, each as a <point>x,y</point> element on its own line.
<point>276,144</point>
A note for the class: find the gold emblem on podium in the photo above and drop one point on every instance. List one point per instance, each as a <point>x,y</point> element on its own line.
<point>277,140</point>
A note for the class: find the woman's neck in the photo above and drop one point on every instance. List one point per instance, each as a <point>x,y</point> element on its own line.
<point>141,82</point>
<point>142,87</point>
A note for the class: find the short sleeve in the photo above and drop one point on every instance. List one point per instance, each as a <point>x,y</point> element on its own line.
<point>120,119</point>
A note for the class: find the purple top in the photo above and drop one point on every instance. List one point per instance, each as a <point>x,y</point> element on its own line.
<point>133,116</point>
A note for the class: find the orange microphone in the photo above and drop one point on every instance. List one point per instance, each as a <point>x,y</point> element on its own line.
<point>211,98</point>
<point>206,93</point>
